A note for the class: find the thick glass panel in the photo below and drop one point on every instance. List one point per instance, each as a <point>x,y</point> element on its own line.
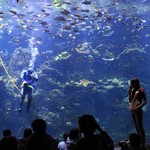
<point>84,53</point>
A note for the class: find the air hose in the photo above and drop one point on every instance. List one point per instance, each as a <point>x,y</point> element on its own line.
<point>9,76</point>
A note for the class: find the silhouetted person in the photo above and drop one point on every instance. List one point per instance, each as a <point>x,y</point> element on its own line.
<point>90,139</point>
<point>63,145</point>
<point>134,143</point>
<point>73,139</point>
<point>22,142</point>
<point>8,142</point>
<point>137,100</point>
<point>40,140</point>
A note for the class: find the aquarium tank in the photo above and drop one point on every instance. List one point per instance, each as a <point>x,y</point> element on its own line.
<point>84,53</point>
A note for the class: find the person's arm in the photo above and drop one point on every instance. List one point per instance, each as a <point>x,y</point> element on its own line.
<point>144,99</point>
<point>23,75</point>
<point>129,93</point>
<point>35,76</point>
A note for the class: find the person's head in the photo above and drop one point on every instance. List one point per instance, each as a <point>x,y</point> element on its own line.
<point>65,136</point>
<point>74,134</point>
<point>135,140</point>
<point>30,70</point>
<point>27,132</point>
<point>7,132</point>
<point>87,124</point>
<point>135,83</point>
<point>39,126</point>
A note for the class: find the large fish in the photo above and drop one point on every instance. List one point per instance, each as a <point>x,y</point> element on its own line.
<point>19,1</point>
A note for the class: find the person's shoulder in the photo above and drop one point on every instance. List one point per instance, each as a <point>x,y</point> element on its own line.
<point>32,137</point>
<point>50,138</point>
<point>22,141</point>
<point>9,139</point>
<point>24,71</point>
<point>142,89</point>
<point>3,139</point>
<point>13,137</point>
<point>94,137</point>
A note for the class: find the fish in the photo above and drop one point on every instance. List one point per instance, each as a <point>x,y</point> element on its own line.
<point>60,18</point>
<point>65,12</point>
<point>18,1</point>
<point>47,14</point>
<point>44,23</point>
<point>109,33</point>
<point>68,3</point>
<point>85,82</point>
<point>76,30</point>
<point>16,40</point>
<point>85,10</point>
<point>47,31</point>
<point>21,16</point>
<point>86,2</point>
<point>67,27</point>
<point>13,12</point>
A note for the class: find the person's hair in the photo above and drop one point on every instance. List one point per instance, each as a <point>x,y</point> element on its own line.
<point>27,132</point>
<point>7,132</point>
<point>87,124</point>
<point>74,134</point>
<point>135,82</point>
<point>39,126</point>
<point>65,136</point>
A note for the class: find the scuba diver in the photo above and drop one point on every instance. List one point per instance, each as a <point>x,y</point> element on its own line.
<point>28,77</point>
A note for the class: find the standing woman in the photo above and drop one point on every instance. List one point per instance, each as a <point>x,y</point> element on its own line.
<point>137,100</point>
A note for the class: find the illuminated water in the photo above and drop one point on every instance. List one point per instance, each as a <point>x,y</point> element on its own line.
<point>84,55</point>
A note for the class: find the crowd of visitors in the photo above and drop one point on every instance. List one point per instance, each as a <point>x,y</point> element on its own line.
<point>87,136</point>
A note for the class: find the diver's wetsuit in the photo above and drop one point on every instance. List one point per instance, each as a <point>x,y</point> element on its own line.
<point>28,77</point>
<point>137,115</point>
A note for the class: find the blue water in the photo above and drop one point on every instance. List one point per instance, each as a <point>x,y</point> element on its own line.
<point>104,44</point>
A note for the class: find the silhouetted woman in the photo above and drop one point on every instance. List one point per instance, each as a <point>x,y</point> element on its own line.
<point>137,100</point>
<point>94,137</point>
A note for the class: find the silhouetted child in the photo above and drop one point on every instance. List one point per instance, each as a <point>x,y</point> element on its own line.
<point>63,145</point>
<point>22,142</point>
